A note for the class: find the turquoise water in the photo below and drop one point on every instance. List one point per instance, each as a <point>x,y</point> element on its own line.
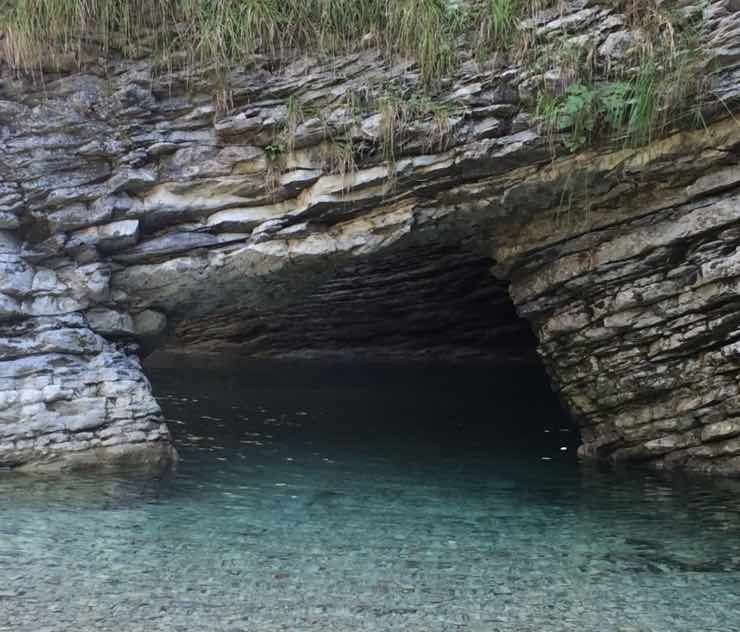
<point>369,499</point>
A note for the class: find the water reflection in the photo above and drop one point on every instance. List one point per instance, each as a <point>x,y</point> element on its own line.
<point>369,500</point>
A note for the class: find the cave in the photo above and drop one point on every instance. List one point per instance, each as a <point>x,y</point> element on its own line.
<point>418,344</point>
<point>361,315</point>
<point>423,328</point>
<point>141,216</point>
<point>428,302</point>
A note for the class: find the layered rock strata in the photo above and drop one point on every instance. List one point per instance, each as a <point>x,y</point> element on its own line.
<point>134,214</point>
<point>419,302</point>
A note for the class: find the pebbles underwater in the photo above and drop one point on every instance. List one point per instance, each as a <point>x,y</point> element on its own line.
<point>367,507</point>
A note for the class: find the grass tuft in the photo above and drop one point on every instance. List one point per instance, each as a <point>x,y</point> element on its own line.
<point>221,32</point>
<point>634,107</point>
<point>661,88</point>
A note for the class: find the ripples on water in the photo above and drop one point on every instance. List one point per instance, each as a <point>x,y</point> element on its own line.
<point>351,500</point>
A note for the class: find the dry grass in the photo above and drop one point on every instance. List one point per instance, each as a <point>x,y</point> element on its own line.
<point>225,31</point>
<point>37,34</point>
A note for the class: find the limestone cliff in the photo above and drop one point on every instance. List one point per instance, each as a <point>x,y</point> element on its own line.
<point>133,213</point>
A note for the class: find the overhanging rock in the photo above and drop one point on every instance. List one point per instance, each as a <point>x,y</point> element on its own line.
<point>130,211</point>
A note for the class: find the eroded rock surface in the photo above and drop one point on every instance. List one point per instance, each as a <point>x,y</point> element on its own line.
<point>132,214</point>
<point>68,396</point>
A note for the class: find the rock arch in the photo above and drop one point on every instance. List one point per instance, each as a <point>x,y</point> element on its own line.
<point>128,209</point>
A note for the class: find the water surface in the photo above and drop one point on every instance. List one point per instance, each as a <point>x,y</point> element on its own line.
<point>369,499</point>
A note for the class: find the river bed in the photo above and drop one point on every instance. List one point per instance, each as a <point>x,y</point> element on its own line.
<point>369,498</point>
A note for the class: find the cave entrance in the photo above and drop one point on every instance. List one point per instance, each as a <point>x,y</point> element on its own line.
<point>421,303</point>
<point>406,414</point>
<point>423,338</point>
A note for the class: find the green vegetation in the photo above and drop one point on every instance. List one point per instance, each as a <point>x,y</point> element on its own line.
<point>404,116</point>
<point>227,31</point>
<point>660,85</point>
<point>399,112</point>
<point>503,18</point>
<point>656,88</point>
<point>499,24</point>
<point>339,155</point>
<point>274,151</point>
<point>624,111</point>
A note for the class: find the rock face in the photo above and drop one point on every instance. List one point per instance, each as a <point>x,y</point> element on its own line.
<point>637,313</point>
<point>133,214</point>
<point>418,302</point>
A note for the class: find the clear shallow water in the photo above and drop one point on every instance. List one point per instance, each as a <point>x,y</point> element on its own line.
<point>369,500</point>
